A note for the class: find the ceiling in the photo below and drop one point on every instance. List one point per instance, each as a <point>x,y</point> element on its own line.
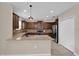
<point>41,10</point>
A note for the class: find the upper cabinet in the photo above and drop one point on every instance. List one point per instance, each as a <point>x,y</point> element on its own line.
<point>15,21</point>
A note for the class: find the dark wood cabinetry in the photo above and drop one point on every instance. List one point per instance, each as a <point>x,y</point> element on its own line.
<point>15,21</point>
<point>35,25</point>
<point>38,27</point>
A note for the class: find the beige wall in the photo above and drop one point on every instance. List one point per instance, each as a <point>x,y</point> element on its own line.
<point>5,22</point>
<point>5,25</point>
<point>73,12</point>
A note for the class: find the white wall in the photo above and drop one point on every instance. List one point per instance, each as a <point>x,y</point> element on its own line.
<point>73,12</point>
<point>67,33</point>
<point>5,22</point>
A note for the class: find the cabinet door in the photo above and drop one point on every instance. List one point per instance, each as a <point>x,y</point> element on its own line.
<point>15,21</point>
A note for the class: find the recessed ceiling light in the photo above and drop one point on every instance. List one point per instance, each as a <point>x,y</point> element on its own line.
<point>47,16</point>
<point>51,11</point>
<point>25,10</point>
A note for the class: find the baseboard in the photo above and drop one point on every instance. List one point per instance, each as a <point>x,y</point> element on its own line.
<point>75,54</point>
<point>67,48</point>
<point>70,50</point>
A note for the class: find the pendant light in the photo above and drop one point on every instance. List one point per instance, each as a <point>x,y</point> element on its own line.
<point>30,8</point>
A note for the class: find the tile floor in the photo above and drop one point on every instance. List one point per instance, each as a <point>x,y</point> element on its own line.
<point>59,50</point>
